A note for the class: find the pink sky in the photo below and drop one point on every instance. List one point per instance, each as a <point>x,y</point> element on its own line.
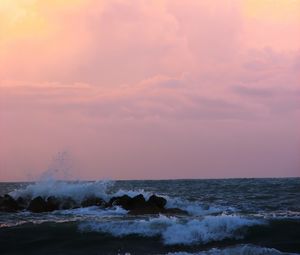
<point>150,89</point>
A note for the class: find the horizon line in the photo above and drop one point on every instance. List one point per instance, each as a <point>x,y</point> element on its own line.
<point>172,179</point>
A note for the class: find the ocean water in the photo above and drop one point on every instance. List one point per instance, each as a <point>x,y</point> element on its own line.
<point>229,216</point>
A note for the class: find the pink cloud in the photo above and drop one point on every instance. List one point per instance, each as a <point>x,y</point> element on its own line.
<point>150,90</point>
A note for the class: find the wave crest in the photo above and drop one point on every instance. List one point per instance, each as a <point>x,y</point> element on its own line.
<point>240,249</point>
<point>177,231</point>
<point>77,190</point>
<point>104,189</point>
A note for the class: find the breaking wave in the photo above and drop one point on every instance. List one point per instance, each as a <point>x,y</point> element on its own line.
<point>104,189</point>
<point>77,190</point>
<point>174,230</point>
<point>239,249</point>
<point>229,222</point>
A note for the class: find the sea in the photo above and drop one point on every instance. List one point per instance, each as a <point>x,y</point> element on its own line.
<point>225,216</point>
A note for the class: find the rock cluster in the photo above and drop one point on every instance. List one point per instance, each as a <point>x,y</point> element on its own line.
<point>137,205</point>
<point>8,204</point>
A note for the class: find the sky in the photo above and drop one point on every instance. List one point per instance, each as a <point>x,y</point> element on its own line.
<point>149,89</point>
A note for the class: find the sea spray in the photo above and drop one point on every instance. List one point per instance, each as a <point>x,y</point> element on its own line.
<point>62,189</point>
<point>270,222</point>
<point>246,249</point>
<point>106,189</point>
<point>174,230</point>
<point>60,168</point>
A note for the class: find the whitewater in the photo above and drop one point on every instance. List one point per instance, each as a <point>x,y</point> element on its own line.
<point>230,216</point>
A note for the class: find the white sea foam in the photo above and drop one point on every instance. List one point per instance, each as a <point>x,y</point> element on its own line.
<point>211,228</point>
<point>76,190</point>
<point>94,211</point>
<point>287,214</point>
<point>143,227</point>
<point>195,208</point>
<point>176,231</point>
<point>237,250</point>
<point>80,190</point>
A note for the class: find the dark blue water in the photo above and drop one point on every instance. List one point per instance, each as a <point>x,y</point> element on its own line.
<point>230,216</point>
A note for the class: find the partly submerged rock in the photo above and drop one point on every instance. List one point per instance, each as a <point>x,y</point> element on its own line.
<point>23,202</point>
<point>68,203</point>
<point>53,203</point>
<point>127,202</point>
<point>93,201</point>
<point>139,206</point>
<point>138,202</point>
<point>154,200</point>
<point>8,204</point>
<point>136,205</point>
<point>37,205</point>
<point>123,201</point>
<point>50,204</point>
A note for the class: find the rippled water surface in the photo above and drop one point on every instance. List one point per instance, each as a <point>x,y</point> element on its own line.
<point>230,216</point>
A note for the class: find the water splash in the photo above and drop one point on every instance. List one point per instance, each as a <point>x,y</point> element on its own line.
<point>60,168</point>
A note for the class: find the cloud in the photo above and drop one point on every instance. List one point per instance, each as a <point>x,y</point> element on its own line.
<point>257,92</point>
<point>159,97</point>
<point>132,89</point>
<point>108,43</point>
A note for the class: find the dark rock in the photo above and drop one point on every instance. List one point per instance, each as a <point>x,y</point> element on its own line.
<point>112,201</point>
<point>154,200</point>
<point>154,205</point>
<point>138,202</point>
<point>8,204</point>
<point>138,205</point>
<point>37,205</point>
<point>127,202</point>
<point>92,201</point>
<point>53,203</point>
<point>23,202</point>
<point>123,201</point>
<point>68,203</point>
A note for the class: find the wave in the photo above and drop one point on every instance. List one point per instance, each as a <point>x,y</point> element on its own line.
<point>61,216</point>
<point>213,227</point>
<point>152,236</point>
<point>76,190</point>
<point>94,211</point>
<point>61,189</point>
<point>239,249</point>
<point>177,231</point>
<point>196,209</point>
<point>279,214</point>
<point>104,189</point>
